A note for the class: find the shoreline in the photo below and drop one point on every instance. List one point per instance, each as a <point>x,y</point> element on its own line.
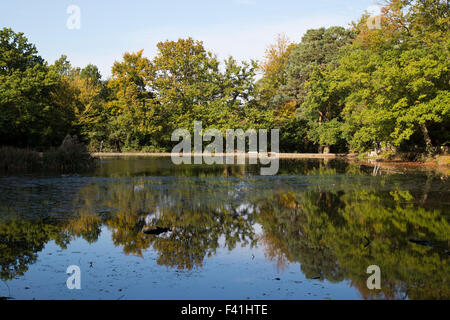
<point>271,154</point>
<point>431,163</point>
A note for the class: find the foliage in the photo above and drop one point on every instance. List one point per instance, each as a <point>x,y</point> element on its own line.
<point>393,82</point>
<point>28,115</point>
<point>338,89</point>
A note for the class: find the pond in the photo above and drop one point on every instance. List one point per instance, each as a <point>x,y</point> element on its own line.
<point>144,228</point>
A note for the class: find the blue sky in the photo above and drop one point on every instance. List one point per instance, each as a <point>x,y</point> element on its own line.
<point>241,28</point>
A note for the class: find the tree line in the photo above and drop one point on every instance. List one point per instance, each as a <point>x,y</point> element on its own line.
<point>339,89</point>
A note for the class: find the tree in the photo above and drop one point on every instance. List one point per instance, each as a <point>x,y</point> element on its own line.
<point>276,113</point>
<point>307,89</point>
<point>322,111</point>
<point>318,49</point>
<point>91,73</point>
<point>130,110</point>
<point>28,117</point>
<point>274,73</point>
<point>396,79</point>
<point>83,94</point>
<point>186,79</point>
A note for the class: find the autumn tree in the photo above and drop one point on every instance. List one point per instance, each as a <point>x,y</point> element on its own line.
<point>274,73</point>
<point>130,109</point>
<point>182,84</point>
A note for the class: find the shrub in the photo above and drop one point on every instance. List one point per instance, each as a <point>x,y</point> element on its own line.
<point>71,156</point>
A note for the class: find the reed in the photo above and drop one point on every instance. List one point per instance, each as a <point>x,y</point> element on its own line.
<point>71,156</point>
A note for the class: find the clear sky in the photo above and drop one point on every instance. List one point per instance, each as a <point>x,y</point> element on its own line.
<point>241,28</point>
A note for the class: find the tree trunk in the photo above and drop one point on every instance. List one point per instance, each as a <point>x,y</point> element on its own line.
<point>428,143</point>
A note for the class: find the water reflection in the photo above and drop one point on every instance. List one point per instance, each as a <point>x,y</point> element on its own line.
<point>333,218</point>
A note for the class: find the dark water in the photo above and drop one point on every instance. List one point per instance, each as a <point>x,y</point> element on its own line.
<point>146,229</point>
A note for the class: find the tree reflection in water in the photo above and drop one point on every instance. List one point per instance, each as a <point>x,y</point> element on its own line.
<point>334,221</point>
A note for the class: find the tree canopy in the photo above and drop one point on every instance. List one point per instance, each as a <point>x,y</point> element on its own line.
<point>336,90</point>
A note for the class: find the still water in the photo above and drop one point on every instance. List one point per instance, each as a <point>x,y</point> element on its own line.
<point>143,228</point>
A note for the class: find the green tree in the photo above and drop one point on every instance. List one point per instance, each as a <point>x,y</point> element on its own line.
<point>29,117</point>
<point>322,111</point>
<point>395,79</point>
<point>315,115</point>
<point>319,48</point>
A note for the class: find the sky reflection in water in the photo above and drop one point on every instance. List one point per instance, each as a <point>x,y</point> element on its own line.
<point>308,233</point>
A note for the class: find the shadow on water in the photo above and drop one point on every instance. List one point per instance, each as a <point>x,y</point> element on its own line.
<point>332,217</point>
